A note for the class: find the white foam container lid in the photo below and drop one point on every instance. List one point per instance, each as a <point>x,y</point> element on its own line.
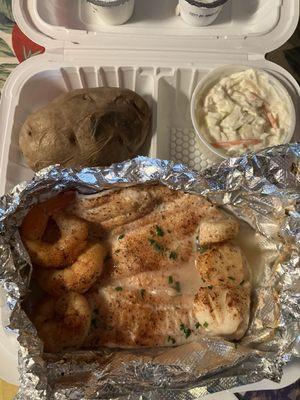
<point>157,55</point>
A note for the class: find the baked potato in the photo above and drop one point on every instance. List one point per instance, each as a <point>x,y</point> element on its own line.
<point>85,128</point>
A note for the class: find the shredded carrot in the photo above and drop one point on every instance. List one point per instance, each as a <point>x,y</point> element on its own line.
<point>236,143</point>
<point>273,121</point>
<point>256,96</point>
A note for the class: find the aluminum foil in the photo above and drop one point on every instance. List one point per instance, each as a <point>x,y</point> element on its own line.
<point>261,189</point>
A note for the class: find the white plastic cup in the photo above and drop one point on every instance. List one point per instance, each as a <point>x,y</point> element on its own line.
<point>200,12</point>
<point>111,12</point>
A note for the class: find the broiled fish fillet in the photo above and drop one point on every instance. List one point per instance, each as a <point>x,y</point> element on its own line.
<point>119,207</point>
<point>115,212</point>
<point>164,238</point>
<point>135,316</point>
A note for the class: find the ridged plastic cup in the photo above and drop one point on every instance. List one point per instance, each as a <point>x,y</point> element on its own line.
<point>200,13</point>
<point>111,12</point>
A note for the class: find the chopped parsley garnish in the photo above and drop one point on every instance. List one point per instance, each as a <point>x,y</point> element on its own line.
<point>205,324</point>
<point>119,288</point>
<point>158,247</point>
<point>171,339</point>
<point>202,249</point>
<point>159,231</point>
<point>177,287</point>
<point>197,325</point>
<point>210,286</point>
<point>187,332</point>
<point>174,285</point>
<point>241,284</point>
<point>117,251</point>
<point>173,255</point>
<point>231,278</point>
<point>121,237</point>
<point>197,238</point>
<point>143,291</point>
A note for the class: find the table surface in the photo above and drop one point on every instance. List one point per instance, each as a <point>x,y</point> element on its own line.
<point>15,47</point>
<point>7,392</point>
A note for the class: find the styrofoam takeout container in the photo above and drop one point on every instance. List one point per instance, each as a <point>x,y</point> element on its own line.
<point>157,55</point>
<point>211,79</point>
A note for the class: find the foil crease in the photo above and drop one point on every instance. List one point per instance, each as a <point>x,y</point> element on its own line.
<point>261,189</point>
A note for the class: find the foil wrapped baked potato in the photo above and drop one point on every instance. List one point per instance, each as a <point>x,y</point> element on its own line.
<point>86,127</point>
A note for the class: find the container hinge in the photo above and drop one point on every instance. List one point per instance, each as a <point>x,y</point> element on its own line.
<point>54,53</point>
<point>256,57</point>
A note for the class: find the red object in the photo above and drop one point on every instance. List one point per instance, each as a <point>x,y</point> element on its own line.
<point>24,47</point>
<point>236,143</point>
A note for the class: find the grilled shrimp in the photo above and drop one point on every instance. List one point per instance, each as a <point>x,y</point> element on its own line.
<point>73,234</point>
<point>79,277</point>
<point>66,249</point>
<point>35,222</point>
<point>64,322</point>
